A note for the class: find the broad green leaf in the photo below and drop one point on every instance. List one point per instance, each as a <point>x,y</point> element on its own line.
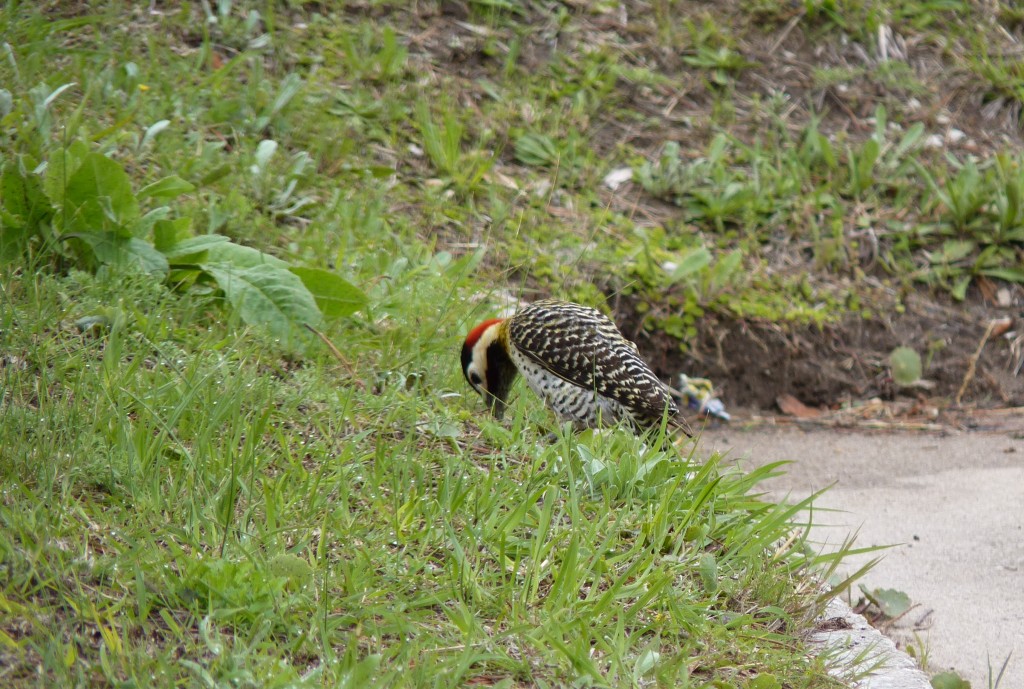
<point>906,365</point>
<point>61,166</point>
<point>594,467</point>
<point>691,262</point>
<point>55,94</point>
<point>290,87</point>
<point>891,602</point>
<point>765,681</point>
<point>995,256</point>
<point>242,256</point>
<point>695,532</point>
<point>22,195</point>
<point>96,322</point>
<point>724,269</point>
<point>645,662</point>
<point>113,249</point>
<point>193,246</point>
<point>909,141</point>
<point>953,250</point>
<point>9,219</point>
<point>866,163</point>
<point>1008,274</point>
<point>441,429</point>
<point>718,147</point>
<point>949,680</point>
<point>13,194</point>
<point>143,225</point>
<point>168,187</point>
<point>1015,234</point>
<point>959,290</point>
<point>99,196</point>
<point>13,239</point>
<point>167,233</point>
<point>152,131</point>
<point>267,295</point>
<point>379,171</point>
<point>335,296</point>
<point>707,568</point>
<point>216,174</point>
<point>264,152</point>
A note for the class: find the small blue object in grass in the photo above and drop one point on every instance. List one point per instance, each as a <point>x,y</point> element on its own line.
<point>699,395</point>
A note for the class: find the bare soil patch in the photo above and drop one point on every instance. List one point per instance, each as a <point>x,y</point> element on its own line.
<point>754,363</point>
<point>912,71</point>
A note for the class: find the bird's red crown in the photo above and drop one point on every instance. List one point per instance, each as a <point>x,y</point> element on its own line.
<point>475,334</point>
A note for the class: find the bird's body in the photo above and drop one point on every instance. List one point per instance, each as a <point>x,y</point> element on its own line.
<point>574,358</point>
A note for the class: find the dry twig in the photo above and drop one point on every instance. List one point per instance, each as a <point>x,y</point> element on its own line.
<point>337,354</point>
<point>973,363</point>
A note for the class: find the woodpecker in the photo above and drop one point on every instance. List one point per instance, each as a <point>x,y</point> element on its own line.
<point>575,359</point>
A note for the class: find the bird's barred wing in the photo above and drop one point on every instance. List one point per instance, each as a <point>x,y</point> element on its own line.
<point>582,346</point>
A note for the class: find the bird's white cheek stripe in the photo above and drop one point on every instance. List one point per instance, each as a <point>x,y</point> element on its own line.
<point>480,363</point>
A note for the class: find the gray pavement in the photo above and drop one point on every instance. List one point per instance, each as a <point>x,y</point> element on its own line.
<point>953,505</point>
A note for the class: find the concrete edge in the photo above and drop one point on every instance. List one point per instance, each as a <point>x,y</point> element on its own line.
<point>858,648</point>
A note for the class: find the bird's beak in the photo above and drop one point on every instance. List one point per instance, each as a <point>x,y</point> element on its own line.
<point>499,383</point>
<point>497,406</point>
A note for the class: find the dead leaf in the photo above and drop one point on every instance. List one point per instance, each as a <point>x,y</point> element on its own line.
<point>794,407</point>
<point>986,287</point>
<point>1001,325</point>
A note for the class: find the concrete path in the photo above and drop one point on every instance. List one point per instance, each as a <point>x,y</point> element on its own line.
<point>954,504</point>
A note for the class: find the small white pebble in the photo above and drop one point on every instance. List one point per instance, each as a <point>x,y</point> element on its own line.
<point>617,177</point>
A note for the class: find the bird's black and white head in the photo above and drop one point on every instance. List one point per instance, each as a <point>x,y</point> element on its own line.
<point>487,365</point>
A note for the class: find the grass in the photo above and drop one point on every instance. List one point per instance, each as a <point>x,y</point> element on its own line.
<point>196,493</point>
<point>184,506</point>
